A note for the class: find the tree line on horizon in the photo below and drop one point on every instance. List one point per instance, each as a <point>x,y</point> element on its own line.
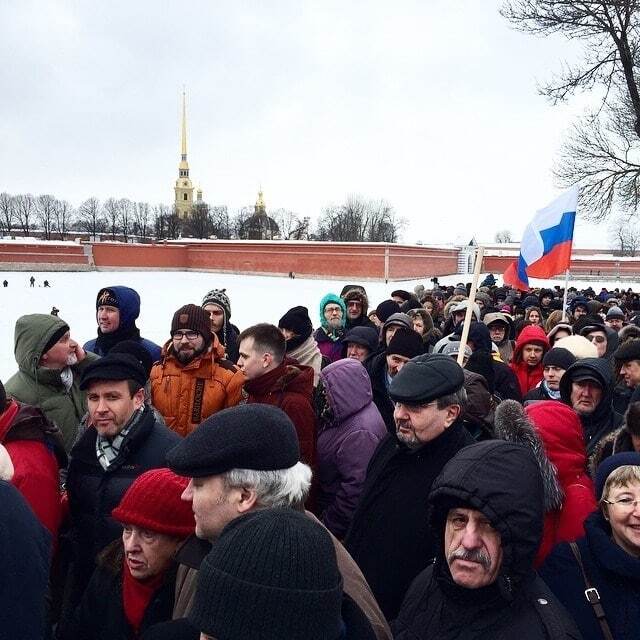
<point>357,219</point>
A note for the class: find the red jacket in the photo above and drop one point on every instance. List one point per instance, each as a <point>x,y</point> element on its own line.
<point>561,433</point>
<point>37,453</point>
<point>528,377</point>
<point>290,387</point>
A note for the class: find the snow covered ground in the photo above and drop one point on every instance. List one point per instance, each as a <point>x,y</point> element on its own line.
<point>253,298</point>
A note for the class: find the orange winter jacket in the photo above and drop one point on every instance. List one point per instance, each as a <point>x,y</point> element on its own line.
<point>186,395</point>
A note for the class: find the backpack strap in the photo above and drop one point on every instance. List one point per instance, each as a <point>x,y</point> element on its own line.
<point>592,595</point>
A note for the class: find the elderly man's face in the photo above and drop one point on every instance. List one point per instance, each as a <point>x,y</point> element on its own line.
<point>585,396</point>
<point>333,315</point>
<point>417,424</point>
<point>148,553</point>
<point>357,351</point>
<point>214,505</point>
<point>395,362</point>
<point>473,548</point>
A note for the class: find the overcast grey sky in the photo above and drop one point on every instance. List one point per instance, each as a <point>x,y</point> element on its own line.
<point>429,104</point>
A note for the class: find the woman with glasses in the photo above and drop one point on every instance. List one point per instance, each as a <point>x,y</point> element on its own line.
<point>598,580</point>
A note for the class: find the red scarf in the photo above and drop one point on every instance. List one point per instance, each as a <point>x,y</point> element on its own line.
<point>137,595</point>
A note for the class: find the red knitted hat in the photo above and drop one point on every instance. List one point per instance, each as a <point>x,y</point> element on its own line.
<point>153,502</point>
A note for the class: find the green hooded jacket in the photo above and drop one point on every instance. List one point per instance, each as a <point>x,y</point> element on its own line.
<point>42,387</point>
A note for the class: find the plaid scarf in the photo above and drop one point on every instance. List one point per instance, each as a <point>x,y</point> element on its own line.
<point>108,450</point>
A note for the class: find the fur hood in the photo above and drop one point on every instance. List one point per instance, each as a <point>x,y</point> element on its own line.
<point>512,424</point>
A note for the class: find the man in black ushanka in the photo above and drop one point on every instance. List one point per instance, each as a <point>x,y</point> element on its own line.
<point>389,537</point>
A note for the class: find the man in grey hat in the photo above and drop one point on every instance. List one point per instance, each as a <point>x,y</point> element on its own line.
<point>389,537</point>
<point>241,460</point>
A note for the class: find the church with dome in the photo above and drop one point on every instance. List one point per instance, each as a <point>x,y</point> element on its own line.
<point>259,226</point>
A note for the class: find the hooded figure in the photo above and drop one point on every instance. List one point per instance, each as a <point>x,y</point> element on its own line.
<point>599,421</point>
<point>127,302</point>
<point>529,376</point>
<point>330,333</point>
<point>553,433</point>
<point>500,320</point>
<point>55,391</point>
<point>351,428</point>
<point>501,480</point>
<point>357,305</point>
<point>300,344</point>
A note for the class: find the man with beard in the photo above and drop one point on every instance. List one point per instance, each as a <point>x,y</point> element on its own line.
<point>486,514</point>
<point>117,309</point>
<point>389,537</point>
<point>50,363</point>
<point>193,379</point>
<point>357,303</point>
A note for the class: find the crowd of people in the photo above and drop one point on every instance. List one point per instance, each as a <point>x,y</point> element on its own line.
<point>351,481</point>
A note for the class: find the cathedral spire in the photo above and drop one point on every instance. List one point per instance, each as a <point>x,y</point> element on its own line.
<point>184,126</point>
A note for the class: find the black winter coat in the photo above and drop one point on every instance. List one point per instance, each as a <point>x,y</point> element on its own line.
<point>501,480</point>
<point>389,536</point>
<point>376,367</point>
<point>101,616</point>
<point>612,571</point>
<point>94,492</point>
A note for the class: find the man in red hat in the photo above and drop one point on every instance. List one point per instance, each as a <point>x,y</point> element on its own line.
<point>133,585</point>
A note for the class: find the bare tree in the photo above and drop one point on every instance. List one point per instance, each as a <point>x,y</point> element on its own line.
<point>141,219</point>
<point>25,212</point>
<point>90,217</point>
<point>359,220</point>
<point>503,236</point>
<point>602,148</point>
<point>112,212</point>
<point>198,224</point>
<point>7,211</point>
<point>238,221</point>
<point>624,235</point>
<point>45,207</point>
<point>160,214</point>
<point>125,217</point>
<point>63,214</point>
<point>288,222</point>
<point>220,222</point>
<point>174,224</point>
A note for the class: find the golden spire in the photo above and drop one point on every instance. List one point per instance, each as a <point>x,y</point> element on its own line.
<point>184,126</point>
<point>260,205</point>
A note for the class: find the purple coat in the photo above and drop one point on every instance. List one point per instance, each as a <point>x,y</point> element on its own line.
<point>346,445</point>
<point>330,349</point>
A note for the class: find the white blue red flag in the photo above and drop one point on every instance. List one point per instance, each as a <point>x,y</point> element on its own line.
<point>545,249</point>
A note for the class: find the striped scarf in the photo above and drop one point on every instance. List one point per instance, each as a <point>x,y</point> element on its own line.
<point>108,450</point>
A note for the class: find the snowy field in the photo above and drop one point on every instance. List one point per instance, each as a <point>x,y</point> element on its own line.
<point>253,298</point>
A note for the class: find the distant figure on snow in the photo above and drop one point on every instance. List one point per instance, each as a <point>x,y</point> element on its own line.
<point>55,311</point>
<point>32,281</point>
<point>5,283</point>
<point>46,284</point>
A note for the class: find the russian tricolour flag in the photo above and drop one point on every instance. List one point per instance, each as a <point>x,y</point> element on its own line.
<point>545,249</point>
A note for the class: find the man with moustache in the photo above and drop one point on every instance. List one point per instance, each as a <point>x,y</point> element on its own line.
<point>389,537</point>
<point>50,364</point>
<point>193,379</point>
<point>486,514</point>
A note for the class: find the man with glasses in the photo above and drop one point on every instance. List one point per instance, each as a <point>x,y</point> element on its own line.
<point>331,330</point>
<point>594,329</point>
<point>357,305</point>
<point>193,379</point>
<point>389,538</point>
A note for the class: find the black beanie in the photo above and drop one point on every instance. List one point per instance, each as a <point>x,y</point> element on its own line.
<point>405,342</point>
<point>116,366</point>
<point>558,357</point>
<point>55,336</point>
<point>387,308</point>
<point>297,320</point>
<point>193,317</point>
<point>284,565</point>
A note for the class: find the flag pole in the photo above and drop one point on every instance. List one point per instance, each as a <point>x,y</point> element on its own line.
<point>565,315</point>
<point>472,299</point>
